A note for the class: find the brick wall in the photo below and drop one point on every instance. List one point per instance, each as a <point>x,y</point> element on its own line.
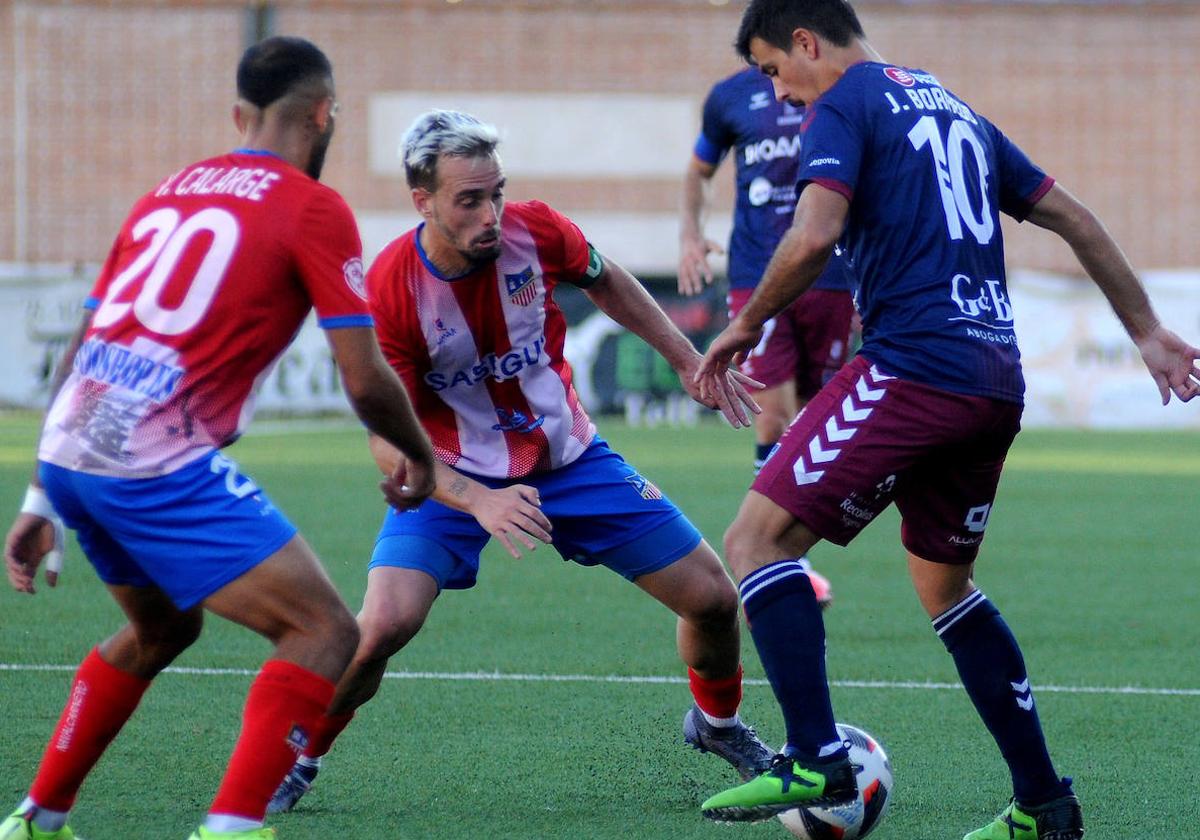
<point>1104,97</point>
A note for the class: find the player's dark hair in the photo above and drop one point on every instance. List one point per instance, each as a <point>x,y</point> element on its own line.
<point>275,67</point>
<point>774,21</point>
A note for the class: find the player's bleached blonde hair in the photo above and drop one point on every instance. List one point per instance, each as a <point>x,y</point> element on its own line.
<point>439,132</point>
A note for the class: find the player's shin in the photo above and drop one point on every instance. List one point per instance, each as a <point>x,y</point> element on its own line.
<point>102,698</point>
<point>282,709</point>
<point>992,670</point>
<point>789,633</point>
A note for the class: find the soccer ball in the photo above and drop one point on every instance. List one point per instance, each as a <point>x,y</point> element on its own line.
<point>859,818</point>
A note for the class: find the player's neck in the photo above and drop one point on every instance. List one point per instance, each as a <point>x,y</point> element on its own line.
<point>447,259</point>
<point>282,143</point>
<point>842,59</point>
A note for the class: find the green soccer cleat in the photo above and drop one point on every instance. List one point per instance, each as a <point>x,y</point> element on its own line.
<point>785,785</point>
<point>19,826</point>
<point>203,833</point>
<point>1059,819</point>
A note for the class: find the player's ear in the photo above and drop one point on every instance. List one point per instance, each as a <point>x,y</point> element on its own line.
<point>324,113</point>
<point>423,200</point>
<point>805,40</point>
<point>246,115</point>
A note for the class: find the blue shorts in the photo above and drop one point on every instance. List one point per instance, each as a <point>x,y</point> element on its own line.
<point>189,532</point>
<point>602,511</point>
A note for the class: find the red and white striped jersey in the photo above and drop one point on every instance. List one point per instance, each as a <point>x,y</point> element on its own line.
<point>482,354</point>
<point>206,285</point>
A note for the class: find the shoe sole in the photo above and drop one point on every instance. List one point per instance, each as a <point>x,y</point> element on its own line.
<point>759,813</point>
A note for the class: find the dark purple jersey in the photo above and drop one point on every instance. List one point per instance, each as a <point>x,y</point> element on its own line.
<point>926,178</point>
<point>742,114</point>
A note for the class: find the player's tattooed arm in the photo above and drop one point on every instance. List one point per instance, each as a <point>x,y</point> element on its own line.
<point>511,514</point>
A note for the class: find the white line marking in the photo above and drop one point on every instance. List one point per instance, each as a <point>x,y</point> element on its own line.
<point>496,676</point>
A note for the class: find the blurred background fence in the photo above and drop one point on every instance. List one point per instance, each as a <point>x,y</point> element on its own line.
<point>599,104</point>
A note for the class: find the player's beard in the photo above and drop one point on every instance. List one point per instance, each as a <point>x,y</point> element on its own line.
<point>479,254</point>
<point>316,161</point>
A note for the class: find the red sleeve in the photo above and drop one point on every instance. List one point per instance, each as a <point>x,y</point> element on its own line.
<point>561,239</point>
<point>328,257</point>
<point>392,327</point>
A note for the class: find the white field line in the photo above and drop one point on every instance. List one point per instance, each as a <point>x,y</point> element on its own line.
<point>496,676</point>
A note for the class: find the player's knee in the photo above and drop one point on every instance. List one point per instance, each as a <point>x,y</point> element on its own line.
<point>158,645</point>
<point>715,607</point>
<point>183,634</point>
<point>383,636</point>
<point>343,633</point>
<point>330,632</point>
<point>743,550</point>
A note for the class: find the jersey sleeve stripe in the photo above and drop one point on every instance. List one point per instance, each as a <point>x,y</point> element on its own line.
<point>1036,196</point>
<point>342,321</point>
<point>835,185</point>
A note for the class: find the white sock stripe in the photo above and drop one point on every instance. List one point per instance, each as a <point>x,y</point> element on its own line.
<point>951,616</point>
<point>765,571</point>
<point>965,604</point>
<point>792,571</point>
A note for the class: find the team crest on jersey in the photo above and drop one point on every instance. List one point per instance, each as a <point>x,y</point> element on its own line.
<point>520,286</point>
<point>646,489</point>
<point>900,76</point>
<point>356,278</point>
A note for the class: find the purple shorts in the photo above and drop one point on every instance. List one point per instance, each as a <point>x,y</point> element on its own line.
<point>807,342</point>
<point>868,439</point>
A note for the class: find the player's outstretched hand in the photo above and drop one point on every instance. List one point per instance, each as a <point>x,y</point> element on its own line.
<point>408,484</point>
<point>1172,363</point>
<point>729,348</point>
<point>727,392</point>
<point>30,540</point>
<point>513,515</point>
<point>694,271</point>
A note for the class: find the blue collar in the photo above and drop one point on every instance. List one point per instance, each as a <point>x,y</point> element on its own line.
<point>259,152</point>
<point>433,269</point>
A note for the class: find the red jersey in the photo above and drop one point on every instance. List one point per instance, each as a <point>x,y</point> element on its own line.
<point>482,354</point>
<point>206,285</point>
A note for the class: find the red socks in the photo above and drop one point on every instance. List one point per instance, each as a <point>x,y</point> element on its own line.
<point>325,732</point>
<point>719,698</point>
<point>102,699</point>
<point>282,709</point>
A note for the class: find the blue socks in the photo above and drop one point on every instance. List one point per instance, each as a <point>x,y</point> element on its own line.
<point>789,633</point>
<point>992,670</point>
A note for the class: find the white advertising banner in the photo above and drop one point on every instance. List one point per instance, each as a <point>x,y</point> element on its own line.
<point>1080,369</point>
<point>41,313</point>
